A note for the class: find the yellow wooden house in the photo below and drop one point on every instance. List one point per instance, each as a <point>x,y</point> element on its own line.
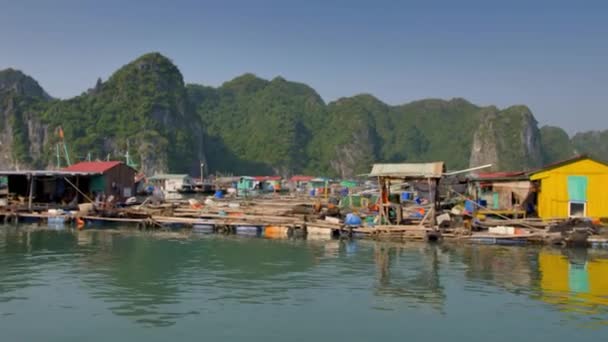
<point>577,187</point>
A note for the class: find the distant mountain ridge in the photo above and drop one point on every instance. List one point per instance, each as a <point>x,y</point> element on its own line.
<point>251,125</point>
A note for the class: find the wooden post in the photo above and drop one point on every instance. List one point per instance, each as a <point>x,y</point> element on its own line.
<point>381,198</point>
<point>432,199</point>
<point>31,194</point>
<point>78,187</point>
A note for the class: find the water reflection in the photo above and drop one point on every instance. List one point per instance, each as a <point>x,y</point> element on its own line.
<point>574,280</point>
<point>147,277</point>
<point>22,254</point>
<point>156,280</point>
<point>409,272</point>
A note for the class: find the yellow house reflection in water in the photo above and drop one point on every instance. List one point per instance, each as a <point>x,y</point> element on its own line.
<point>575,284</point>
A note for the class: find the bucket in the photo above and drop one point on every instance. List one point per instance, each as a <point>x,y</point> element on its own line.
<point>85,208</point>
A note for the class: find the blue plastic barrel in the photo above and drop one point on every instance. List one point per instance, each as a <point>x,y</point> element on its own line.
<point>352,220</point>
<point>406,196</point>
<point>469,206</point>
<point>219,194</point>
<point>248,230</point>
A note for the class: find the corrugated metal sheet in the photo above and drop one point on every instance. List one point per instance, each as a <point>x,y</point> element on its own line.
<point>92,166</point>
<point>163,176</point>
<point>412,170</point>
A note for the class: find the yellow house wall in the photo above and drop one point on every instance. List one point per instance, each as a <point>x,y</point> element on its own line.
<point>553,197</point>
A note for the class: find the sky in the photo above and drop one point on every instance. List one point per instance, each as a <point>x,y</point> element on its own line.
<point>550,55</point>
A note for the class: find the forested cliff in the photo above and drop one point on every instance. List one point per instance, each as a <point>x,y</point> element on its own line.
<point>254,126</point>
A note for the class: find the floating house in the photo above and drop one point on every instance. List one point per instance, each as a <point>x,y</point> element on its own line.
<point>78,183</point>
<point>247,186</point>
<point>171,183</point>
<point>270,183</point>
<point>406,172</point>
<point>300,182</point>
<point>255,185</point>
<point>319,186</point>
<point>45,189</point>
<point>109,177</point>
<point>502,193</point>
<point>576,187</point>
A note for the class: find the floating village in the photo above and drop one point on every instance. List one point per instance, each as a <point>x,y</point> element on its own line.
<point>563,203</point>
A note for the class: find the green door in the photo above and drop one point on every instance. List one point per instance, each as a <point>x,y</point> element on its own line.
<point>495,201</point>
<point>577,188</point>
<point>98,184</point>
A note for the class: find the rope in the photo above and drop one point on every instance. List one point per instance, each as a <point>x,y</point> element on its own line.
<point>80,192</point>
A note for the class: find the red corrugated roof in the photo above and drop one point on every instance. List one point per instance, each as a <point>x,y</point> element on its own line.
<point>97,166</point>
<point>492,175</point>
<point>267,178</point>
<point>300,178</point>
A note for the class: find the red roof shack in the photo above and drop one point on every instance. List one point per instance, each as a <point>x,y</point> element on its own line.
<point>112,177</point>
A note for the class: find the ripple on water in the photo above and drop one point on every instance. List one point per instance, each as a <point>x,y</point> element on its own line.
<point>160,280</point>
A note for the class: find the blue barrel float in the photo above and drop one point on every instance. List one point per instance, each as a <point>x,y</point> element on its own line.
<point>202,228</point>
<point>249,230</point>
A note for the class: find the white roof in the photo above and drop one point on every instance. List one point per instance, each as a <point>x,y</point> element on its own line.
<point>408,170</point>
<point>169,176</point>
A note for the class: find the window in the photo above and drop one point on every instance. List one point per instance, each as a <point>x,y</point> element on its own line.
<point>577,209</point>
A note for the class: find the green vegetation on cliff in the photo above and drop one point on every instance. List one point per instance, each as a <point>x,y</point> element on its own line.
<point>145,104</point>
<point>258,126</point>
<point>556,144</point>
<point>594,143</point>
<point>251,125</point>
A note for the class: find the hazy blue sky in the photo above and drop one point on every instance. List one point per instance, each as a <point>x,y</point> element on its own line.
<point>550,55</point>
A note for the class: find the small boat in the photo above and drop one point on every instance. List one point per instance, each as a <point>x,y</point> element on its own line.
<point>187,189</point>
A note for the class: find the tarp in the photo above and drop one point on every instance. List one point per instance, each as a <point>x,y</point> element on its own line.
<point>409,170</point>
<point>348,184</point>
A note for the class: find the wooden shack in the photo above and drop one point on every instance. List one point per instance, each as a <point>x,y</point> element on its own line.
<point>111,177</point>
<point>501,193</point>
<point>44,189</point>
<point>171,183</point>
<point>431,173</point>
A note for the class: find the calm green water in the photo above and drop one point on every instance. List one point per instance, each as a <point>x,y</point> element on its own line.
<point>124,286</point>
